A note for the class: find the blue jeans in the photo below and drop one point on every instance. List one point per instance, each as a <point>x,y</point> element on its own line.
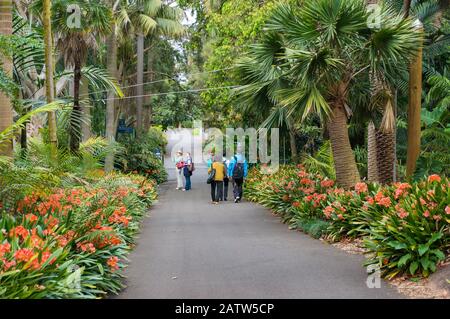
<point>188,183</point>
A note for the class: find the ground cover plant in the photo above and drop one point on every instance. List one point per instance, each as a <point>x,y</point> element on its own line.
<point>405,227</point>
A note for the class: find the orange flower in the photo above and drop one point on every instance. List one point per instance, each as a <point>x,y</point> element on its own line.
<point>8,264</point>
<point>434,178</point>
<point>31,218</point>
<point>382,200</point>
<point>86,247</point>
<point>19,231</point>
<point>112,263</point>
<point>328,211</point>
<point>361,188</point>
<point>24,255</point>
<point>4,248</point>
<point>306,181</point>
<point>402,213</point>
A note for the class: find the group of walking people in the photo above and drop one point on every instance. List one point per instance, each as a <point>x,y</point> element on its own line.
<point>224,171</point>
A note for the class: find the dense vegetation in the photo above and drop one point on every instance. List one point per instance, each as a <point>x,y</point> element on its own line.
<point>87,89</point>
<point>405,227</point>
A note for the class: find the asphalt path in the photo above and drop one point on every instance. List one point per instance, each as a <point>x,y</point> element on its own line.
<point>189,248</point>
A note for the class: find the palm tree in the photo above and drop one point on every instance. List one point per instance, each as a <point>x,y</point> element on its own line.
<point>261,75</point>
<point>328,46</point>
<point>136,18</point>
<point>74,42</point>
<point>6,114</point>
<point>144,18</point>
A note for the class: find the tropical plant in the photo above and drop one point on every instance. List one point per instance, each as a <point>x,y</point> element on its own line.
<point>140,155</point>
<point>74,43</point>
<point>323,63</point>
<point>136,19</point>
<point>147,18</point>
<point>404,227</point>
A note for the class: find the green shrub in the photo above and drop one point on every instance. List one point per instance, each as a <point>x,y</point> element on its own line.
<point>140,155</point>
<point>72,243</point>
<point>316,228</point>
<point>405,227</point>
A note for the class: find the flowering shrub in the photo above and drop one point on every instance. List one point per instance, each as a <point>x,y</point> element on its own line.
<point>406,228</point>
<point>72,243</point>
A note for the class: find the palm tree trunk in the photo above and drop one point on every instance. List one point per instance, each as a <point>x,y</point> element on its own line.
<point>49,81</point>
<point>385,156</point>
<point>347,174</point>
<point>414,113</point>
<point>372,163</point>
<point>111,127</point>
<point>139,83</point>
<point>75,126</point>
<point>86,123</point>
<point>293,143</point>
<point>148,100</point>
<point>6,113</point>
<point>406,8</point>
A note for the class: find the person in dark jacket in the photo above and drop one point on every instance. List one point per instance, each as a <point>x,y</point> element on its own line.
<point>187,172</point>
<point>226,180</point>
<point>238,171</point>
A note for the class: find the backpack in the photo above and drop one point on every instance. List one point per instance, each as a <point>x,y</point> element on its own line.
<point>211,176</point>
<point>238,171</point>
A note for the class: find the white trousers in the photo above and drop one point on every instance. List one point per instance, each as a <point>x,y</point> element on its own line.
<point>180,178</point>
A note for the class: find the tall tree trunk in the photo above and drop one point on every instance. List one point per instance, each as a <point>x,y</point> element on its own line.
<point>293,142</point>
<point>86,109</point>
<point>6,113</point>
<point>49,80</point>
<point>385,156</point>
<point>347,174</point>
<point>111,127</point>
<point>75,127</point>
<point>372,163</point>
<point>414,112</point>
<point>148,100</point>
<point>406,8</point>
<point>139,83</point>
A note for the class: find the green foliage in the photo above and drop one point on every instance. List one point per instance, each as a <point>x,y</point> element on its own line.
<point>405,227</point>
<point>322,162</point>
<point>228,32</point>
<point>71,243</point>
<point>315,227</point>
<point>435,157</point>
<point>140,156</point>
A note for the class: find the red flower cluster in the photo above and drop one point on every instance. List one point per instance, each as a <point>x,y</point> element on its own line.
<point>382,200</point>
<point>50,221</point>
<point>112,263</point>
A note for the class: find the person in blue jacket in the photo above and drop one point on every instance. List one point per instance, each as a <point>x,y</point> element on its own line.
<point>238,171</point>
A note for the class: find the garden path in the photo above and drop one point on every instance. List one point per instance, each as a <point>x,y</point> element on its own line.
<point>189,248</point>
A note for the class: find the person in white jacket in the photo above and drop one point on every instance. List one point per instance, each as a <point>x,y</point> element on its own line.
<point>179,167</point>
